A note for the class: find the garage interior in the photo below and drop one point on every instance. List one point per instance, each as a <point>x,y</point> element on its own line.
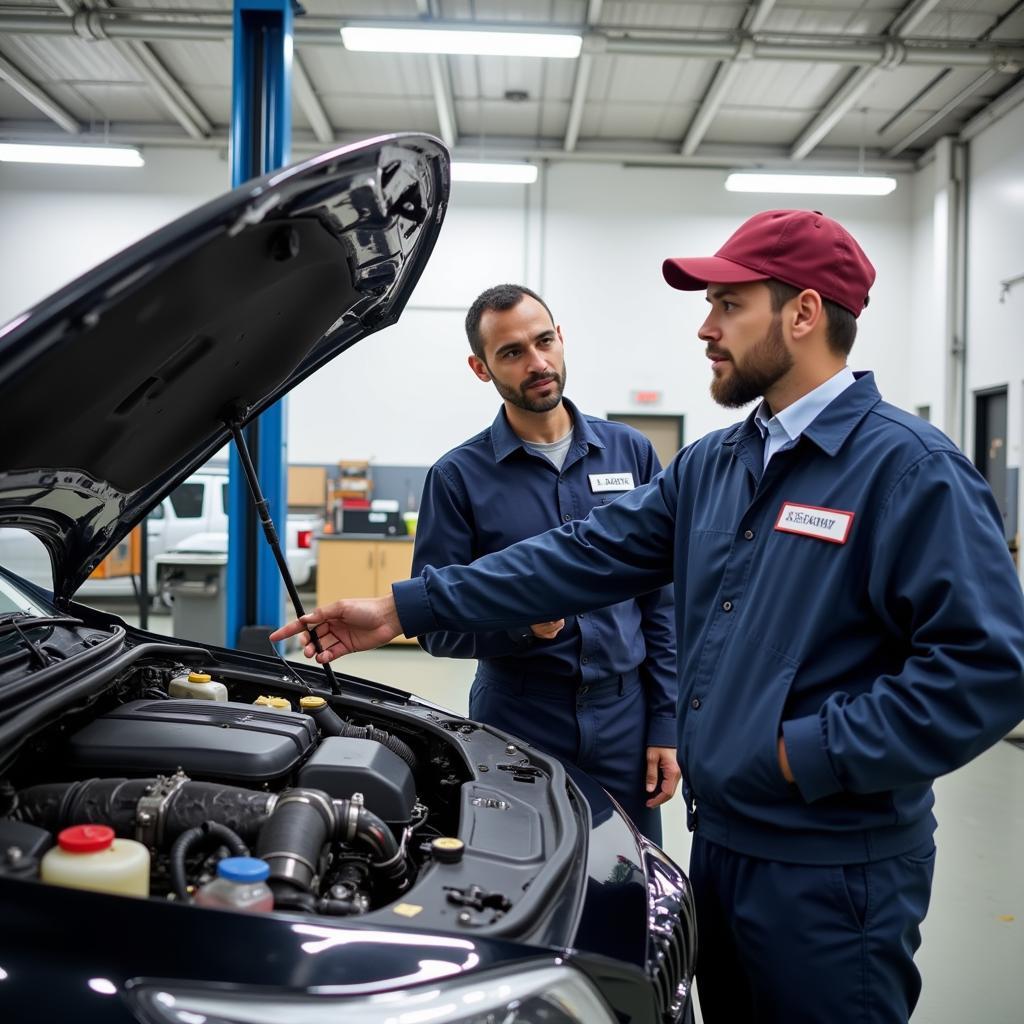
<point>629,144</point>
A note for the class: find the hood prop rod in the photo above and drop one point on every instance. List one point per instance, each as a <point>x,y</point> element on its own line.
<point>270,532</point>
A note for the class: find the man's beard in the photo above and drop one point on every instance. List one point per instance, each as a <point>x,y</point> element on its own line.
<point>524,398</point>
<point>764,365</point>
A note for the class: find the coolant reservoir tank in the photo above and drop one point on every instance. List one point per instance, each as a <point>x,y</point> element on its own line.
<point>197,686</point>
<point>91,857</point>
<point>277,703</point>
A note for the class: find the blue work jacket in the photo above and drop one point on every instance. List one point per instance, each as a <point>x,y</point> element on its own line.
<point>887,653</point>
<point>491,492</point>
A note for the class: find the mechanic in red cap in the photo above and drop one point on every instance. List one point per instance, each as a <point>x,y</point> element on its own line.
<point>849,627</point>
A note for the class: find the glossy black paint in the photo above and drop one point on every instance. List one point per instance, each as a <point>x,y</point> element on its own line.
<point>215,316</point>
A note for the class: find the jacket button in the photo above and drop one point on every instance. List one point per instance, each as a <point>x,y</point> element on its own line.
<point>566,517</point>
<point>695,703</point>
<point>583,661</point>
<point>727,606</point>
<point>748,534</point>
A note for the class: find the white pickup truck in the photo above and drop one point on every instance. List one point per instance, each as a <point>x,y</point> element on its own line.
<point>193,517</point>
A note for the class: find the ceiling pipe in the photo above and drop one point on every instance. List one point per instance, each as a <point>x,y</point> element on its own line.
<point>116,24</point>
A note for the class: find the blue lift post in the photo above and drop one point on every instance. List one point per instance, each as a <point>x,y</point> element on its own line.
<point>260,143</point>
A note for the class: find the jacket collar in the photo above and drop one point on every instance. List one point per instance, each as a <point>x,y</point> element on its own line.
<point>833,425</point>
<point>505,440</point>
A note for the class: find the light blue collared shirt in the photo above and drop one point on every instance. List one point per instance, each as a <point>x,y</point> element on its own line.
<point>784,430</point>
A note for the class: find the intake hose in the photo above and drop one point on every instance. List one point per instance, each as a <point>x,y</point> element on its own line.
<point>210,833</point>
<point>331,724</point>
<point>290,829</point>
<point>115,802</point>
<point>293,838</point>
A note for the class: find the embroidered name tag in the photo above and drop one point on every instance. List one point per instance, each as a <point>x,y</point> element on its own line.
<point>611,482</point>
<point>824,523</point>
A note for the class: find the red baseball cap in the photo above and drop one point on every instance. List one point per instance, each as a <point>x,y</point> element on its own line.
<point>803,248</point>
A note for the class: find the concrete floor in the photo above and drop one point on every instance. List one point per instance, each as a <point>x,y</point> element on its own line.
<point>972,954</point>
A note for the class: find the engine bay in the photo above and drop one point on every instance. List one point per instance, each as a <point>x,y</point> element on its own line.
<point>359,804</point>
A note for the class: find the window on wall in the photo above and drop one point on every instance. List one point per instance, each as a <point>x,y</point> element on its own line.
<point>925,412</point>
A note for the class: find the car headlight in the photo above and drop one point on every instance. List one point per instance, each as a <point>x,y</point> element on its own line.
<point>550,994</point>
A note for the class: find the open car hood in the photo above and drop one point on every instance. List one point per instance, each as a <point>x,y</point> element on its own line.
<point>118,386</point>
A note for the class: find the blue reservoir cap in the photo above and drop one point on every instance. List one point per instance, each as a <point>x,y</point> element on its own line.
<point>243,869</point>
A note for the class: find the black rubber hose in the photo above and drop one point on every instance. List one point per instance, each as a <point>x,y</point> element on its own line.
<point>114,802</point>
<point>293,837</point>
<point>332,724</point>
<point>384,851</point>
<point>208,833</point>
<point>393,743</point>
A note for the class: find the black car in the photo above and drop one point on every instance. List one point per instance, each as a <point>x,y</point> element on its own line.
<point>423,867</point>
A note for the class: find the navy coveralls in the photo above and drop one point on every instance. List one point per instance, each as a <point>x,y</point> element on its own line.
<point>604,689</point>
<point>886,654</point>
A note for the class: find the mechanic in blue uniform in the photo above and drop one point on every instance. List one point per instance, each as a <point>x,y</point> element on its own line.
<point>849,623</point>
<point>598,689</point>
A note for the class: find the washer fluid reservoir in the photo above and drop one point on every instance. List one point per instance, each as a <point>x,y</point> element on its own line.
<point>90,857</point>
<point>197,686</point>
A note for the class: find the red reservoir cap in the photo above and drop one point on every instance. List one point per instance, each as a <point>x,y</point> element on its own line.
<point>86,838</point>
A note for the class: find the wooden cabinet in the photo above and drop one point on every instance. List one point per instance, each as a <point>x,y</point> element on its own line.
<point>361,568</point>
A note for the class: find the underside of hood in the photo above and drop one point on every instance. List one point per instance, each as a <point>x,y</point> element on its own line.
<point>118,386</point>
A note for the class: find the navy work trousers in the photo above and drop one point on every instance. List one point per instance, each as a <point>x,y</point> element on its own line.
<point>808,944</point>
<point>600,727</point>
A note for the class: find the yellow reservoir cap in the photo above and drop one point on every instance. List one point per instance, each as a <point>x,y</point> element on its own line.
<point>312,702</point>
<point>277,703</point>
<point>447,849</point>
<point>199,677</point>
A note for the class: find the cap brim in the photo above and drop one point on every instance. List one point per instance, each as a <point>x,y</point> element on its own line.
<point>690,275</point>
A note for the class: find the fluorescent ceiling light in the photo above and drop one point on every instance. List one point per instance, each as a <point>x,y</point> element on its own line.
<point>461,41</point>
<point>514,174</point>
<point>811,184</point>
<point>92,156</point>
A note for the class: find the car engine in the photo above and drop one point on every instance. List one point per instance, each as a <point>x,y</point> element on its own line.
<point>345,811</point>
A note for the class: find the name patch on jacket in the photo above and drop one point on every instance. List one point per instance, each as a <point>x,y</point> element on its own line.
<point>824,523</point>
<point>611,482</point>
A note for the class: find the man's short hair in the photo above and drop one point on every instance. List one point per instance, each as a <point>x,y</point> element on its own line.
<point>842,324</point>
<point>496,299</point>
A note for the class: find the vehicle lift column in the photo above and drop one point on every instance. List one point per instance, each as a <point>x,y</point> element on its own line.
<point>260,143</point>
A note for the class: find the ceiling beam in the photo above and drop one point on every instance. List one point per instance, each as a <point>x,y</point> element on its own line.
<point>753,21</point>
<point>309,102</point>
<point>440,83</point>
<point>627,152</point>
<point>858,82</point>
<point>581,83</point>
<point>22,84</point>
<point>145,63</point>
<point>940,114</point>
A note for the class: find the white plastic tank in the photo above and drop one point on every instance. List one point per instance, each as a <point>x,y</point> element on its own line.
<point>91,857</point>
<point>241,884</point>
<point>197,686</point>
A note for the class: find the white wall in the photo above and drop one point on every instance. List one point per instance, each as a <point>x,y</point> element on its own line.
<point>995,252</point>
<point>594,251</point>
<point>591,239</point>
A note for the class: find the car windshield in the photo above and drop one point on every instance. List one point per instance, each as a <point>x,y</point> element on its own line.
<point>14,602</point>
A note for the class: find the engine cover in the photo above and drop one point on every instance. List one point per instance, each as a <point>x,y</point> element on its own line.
<point>208,739</point>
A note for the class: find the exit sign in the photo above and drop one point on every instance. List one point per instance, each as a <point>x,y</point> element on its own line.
<point>646,397</point>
